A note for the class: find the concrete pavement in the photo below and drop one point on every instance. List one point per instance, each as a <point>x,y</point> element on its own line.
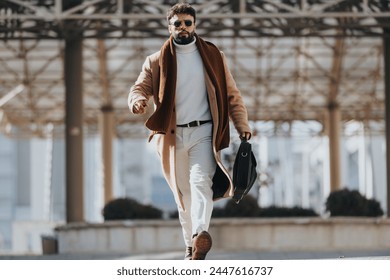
<point>213,255</point>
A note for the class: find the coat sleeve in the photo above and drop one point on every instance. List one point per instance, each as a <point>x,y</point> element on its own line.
<point>237,110</point>
<point>143,87</point>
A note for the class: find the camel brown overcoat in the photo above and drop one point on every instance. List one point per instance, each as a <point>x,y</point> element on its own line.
<point>147,86</point>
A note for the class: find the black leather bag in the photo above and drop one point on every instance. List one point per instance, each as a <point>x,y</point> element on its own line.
<point>244,171</point>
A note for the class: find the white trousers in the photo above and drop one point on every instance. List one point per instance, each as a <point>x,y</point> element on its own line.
<point>195,168</point>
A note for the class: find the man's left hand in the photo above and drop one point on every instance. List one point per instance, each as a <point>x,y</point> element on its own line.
<point>245,135</point>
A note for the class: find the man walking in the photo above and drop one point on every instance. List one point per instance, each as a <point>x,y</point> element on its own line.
<point>194,96</point>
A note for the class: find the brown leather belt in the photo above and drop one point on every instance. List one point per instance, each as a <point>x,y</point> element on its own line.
<point>193,124</point>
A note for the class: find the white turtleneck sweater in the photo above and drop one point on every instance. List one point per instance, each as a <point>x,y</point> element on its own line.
<point>191,93</point>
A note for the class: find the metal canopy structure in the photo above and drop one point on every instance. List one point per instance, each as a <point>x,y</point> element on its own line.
<point>291,59</point>
<point>66,66</point>
<point>283,55</point>
<point>51,19</point>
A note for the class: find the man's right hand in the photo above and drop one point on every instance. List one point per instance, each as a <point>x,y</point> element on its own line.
<point>140,106</point>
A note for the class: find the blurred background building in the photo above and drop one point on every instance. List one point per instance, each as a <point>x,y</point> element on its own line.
<point>312,74</point>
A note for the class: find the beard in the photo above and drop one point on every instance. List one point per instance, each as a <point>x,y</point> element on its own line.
<point>183,38</point>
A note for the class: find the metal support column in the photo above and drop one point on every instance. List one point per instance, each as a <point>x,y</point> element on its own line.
<point>107,123</point>
<point>334,116</point>
<point>386,54</point>
<point>74,129</point>
<point>334,132</point>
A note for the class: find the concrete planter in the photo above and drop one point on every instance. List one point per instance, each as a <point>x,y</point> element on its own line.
<point>259,234</point>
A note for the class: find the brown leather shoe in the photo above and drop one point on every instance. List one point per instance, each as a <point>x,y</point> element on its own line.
<point>201,245</point>
<point>188,254</point>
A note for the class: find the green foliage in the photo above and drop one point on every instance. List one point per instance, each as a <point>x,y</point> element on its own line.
<point>274,211</point>
<point>248,207</point>
<point>351,203</point>
<point>129,209</point>
<point>339,203</point>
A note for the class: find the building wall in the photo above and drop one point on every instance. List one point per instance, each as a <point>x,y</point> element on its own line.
<point>8,185</point>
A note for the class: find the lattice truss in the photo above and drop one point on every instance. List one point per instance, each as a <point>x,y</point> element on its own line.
<point>292,60</point>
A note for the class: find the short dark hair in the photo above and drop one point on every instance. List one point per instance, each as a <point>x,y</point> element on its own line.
<point>181,8</point>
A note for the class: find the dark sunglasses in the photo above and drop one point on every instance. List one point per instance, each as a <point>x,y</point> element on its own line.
<point>186,22</point>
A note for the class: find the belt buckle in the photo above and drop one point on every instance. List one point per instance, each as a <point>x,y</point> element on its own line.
<point>193,124</point>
